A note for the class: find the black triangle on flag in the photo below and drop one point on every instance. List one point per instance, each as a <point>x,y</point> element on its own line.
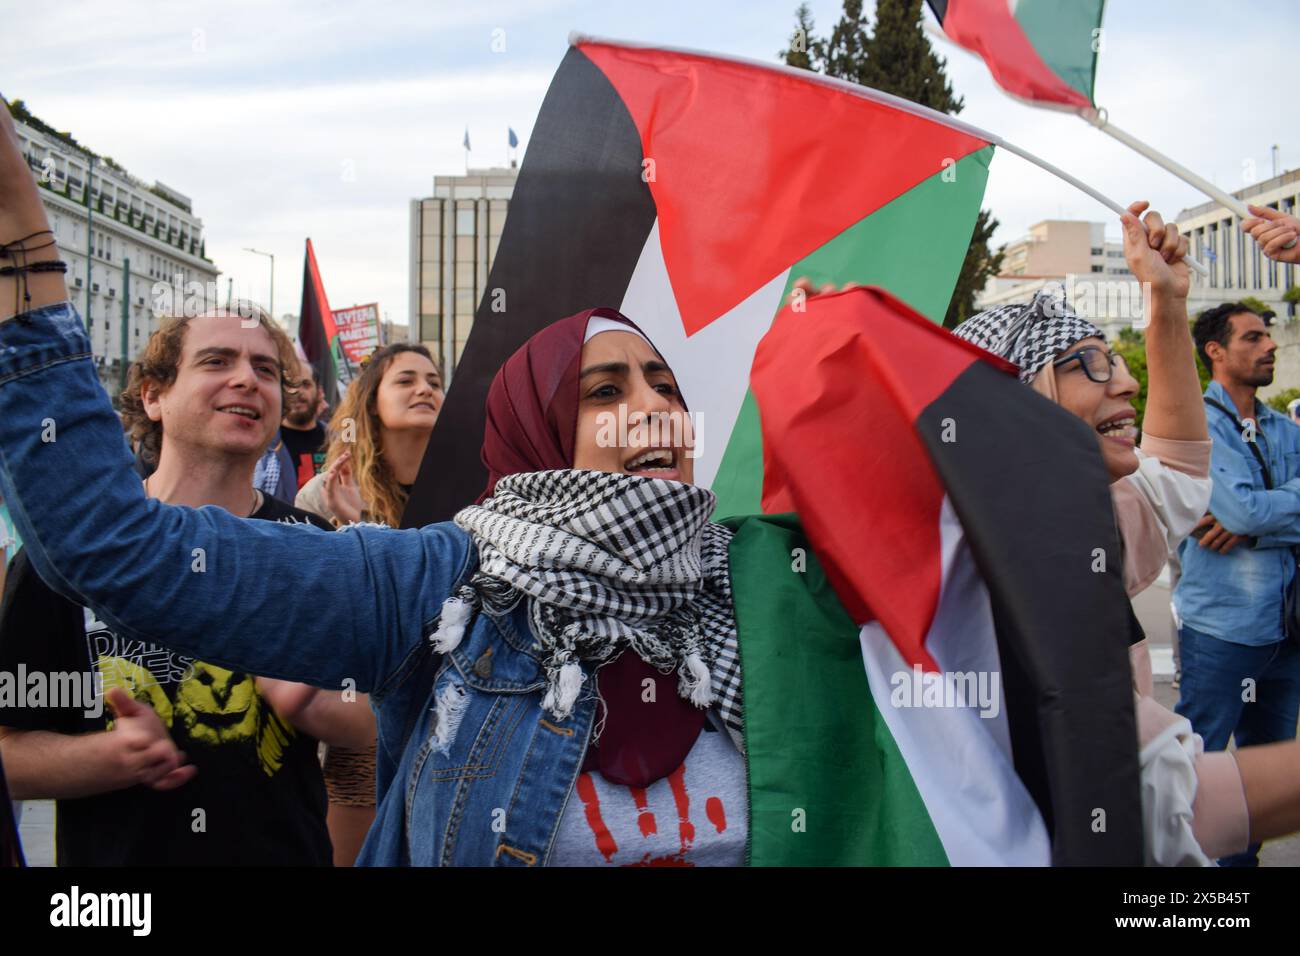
<point>1028,485</point>
<point>578,221</point>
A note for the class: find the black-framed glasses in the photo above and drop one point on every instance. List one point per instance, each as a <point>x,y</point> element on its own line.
<point>1098,364</point>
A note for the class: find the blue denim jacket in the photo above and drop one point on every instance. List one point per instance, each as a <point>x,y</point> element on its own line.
<point>1239,596</point>
<point>487,788</point>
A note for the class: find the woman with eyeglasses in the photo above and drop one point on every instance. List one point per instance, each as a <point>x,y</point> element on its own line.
<point>1196,804</point>
<point>1161,488</point>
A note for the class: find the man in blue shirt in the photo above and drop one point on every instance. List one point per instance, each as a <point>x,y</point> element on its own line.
<point>1240,673</point>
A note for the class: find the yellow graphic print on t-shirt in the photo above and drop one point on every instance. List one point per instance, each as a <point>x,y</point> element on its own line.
<point>213,707</point>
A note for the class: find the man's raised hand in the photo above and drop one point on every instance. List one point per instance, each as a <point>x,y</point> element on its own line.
<point>1275,232</point>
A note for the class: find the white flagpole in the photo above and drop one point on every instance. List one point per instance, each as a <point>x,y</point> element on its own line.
<point>1230,202</point>
<point>1099,119</point>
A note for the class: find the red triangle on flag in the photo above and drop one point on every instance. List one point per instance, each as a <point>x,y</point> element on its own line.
<point>752,168</point>
<point>841,448</point>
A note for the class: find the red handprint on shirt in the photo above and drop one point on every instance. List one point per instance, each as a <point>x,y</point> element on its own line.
<point>646,822</point>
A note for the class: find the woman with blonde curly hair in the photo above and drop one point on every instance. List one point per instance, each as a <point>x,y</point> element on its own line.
<point>377,439</point>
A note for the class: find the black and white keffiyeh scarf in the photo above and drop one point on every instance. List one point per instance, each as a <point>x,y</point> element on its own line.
<point>1030,334</point>
<point>607,562</point>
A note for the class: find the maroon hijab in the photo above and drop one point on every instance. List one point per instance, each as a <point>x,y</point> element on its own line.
<point>532,423</point>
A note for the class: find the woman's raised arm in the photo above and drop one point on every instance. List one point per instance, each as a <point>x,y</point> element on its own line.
<point>283,601</point>
<point>1173,410</point>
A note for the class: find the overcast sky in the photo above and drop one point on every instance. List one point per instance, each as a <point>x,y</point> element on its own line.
<point>292,119</point>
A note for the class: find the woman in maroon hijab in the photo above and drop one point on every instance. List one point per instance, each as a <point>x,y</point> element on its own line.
<point>625,578</point>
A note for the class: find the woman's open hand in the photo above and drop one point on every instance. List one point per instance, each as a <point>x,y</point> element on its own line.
<point>342,496</point>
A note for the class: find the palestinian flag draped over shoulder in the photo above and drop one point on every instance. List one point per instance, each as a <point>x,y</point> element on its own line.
<point>689,191</point>
<point>965,525</point>
<point>318,333</point>
<point>1042,51</point>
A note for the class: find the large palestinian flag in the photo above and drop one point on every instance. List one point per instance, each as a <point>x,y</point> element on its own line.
<point>689,191</point>
<point>1042,51</point>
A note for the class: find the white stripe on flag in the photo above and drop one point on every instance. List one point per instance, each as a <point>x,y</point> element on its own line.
<point>712,366</point>
<point>961,762</point>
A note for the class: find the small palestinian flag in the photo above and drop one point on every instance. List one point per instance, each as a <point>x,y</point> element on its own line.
<point>965,525</point>
<point>1041,51</point>
<point>318,334</point>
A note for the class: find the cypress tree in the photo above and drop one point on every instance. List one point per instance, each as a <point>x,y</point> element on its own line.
<point>895,57</point>
<point>805,50</point>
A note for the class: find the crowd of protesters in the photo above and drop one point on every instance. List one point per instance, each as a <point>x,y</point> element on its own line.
<point>216,720</point>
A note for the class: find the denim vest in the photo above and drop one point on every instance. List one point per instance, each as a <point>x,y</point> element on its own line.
<point>470,771</point>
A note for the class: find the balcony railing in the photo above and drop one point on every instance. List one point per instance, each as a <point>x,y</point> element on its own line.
<point>118,211</point>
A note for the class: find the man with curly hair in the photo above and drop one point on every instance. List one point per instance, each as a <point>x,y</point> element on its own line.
<point>195,764</point>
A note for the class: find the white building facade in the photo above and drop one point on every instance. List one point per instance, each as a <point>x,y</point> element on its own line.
<point>1237,269</point>
<point>120,238</point>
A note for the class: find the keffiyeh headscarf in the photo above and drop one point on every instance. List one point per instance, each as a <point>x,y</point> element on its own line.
<point>1031,334</point>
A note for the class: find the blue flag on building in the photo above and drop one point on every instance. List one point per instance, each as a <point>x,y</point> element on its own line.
<point>514,140</point>
<point>466,143</point>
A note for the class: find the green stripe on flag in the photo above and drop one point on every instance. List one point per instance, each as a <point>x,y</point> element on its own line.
<point>913,247</point>
<point>1064,34</point>
<point>827,783</point>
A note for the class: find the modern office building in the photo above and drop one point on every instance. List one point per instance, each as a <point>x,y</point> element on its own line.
<point>1238,270</point>
<point>104,218</point>
<point>454,238</point>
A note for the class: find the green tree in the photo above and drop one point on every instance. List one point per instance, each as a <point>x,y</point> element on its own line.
<point>980,263</point>
<point>898,58</point>
<point>1280,401</point>
<point>1132,344</point>
<point>895,57</point>
<point>1258,305</point>
<point>805,50</point>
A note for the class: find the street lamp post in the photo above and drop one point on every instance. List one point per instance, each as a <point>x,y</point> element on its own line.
<point>272,258</point>
<point>90,241</point>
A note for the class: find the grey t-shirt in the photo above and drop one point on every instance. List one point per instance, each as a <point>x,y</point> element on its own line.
<point>696,816</point>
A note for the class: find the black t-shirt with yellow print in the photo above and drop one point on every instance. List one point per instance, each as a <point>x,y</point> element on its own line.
<point>258,797</point>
